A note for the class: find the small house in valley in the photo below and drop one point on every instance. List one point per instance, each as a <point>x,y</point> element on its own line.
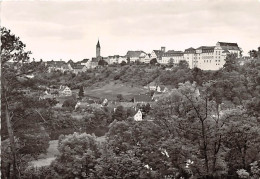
<point>65,91</point>
<point>138,116</point>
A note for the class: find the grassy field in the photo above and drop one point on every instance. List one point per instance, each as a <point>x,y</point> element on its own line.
<point>111,90</point>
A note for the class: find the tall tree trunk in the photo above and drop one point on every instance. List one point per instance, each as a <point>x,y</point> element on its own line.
<point>9,129</point>
<point>11,138</point>
<point>205,146</point>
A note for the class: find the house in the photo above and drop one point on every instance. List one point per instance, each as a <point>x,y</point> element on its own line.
<point>105,102</point>
<point>65,91</point>
<point>79,68</point>
<point>94,62</point>
<point>157,54</point>
<point>58,66</point>
<point>86,62</point>
<point>146,59</point>
<point>161,89</point>
<point>134,56</point>
<point>142,98</point>
<point>122,59</point>
<point>152,86</point>
<point>138,116</point>
<point>171,57</point>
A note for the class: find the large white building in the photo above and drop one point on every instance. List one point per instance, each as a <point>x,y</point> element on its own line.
<point>171,56</point>
<point>204,57</point>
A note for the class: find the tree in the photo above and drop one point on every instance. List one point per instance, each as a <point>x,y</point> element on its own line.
<point>120,97</point>
<point>231,63</point>
<point>15,67</point>
<point>171,62</point>
<point>253,53</point>
<point>153,61</point>
<point>78,156</point>
<point>183,64</point>
<point>81,91</point>
<point>119,114</point>
<point>69,103</point>
<point>102,62</point>
<point>123,63</point>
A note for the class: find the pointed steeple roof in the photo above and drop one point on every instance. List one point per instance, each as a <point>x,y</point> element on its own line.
<point>98,45</point>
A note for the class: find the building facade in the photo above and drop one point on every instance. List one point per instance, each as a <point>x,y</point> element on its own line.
<point>204,57</point>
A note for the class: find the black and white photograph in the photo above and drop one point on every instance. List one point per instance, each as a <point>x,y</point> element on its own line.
<point>130,89</point>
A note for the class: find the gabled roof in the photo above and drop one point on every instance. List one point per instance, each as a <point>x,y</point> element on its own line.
<point>134,53</point>
<point>225,51</point>
<point>190,50</point>
<point>85,60</point>
<point>230,48</point>
<point>228,44</point>
<point>149,55</point>
<point>206,48</point>
<point>172,52</point>
<point>158,52</point>
<point>153,83</point>
<point>56,63</point>
<point>63,87</point>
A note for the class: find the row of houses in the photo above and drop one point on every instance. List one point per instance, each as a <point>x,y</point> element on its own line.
<point>62,91</point>
<point>204,57</point>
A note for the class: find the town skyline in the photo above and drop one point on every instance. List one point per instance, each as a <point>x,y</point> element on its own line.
<point>74,29</point>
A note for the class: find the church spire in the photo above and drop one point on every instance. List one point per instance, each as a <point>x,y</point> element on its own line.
<point>98,45</point>
<point>98,49</point>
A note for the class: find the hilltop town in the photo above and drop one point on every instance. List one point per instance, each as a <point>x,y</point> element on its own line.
<point>163,114</point>
<point>204,57</point>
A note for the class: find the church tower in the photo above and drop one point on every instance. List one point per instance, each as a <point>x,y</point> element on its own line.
<point>98,49</point>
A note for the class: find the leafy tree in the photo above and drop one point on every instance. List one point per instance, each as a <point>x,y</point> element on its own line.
<point>231,63</point>
<point>125,165</point>
<point>183,64</point>
<point>119,114</point>
<point>123,63</point>
<point>120,97</point>
<point>171,62</point>
<point>69,103</point>
<point>78,156</point>
<point>153,61</point>
<point>102,62</point>
<point>81,91</point>
<point>15,67</point>
<point>253,53</point>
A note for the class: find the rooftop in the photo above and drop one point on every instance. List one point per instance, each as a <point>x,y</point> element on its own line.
<point>134,53</point>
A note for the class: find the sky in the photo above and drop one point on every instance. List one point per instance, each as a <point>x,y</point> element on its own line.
<point>55,30</point>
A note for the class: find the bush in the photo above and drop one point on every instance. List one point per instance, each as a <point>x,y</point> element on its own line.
<point>69,103</point>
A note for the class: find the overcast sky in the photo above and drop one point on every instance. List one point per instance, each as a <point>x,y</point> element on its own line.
<point>70,30</point>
